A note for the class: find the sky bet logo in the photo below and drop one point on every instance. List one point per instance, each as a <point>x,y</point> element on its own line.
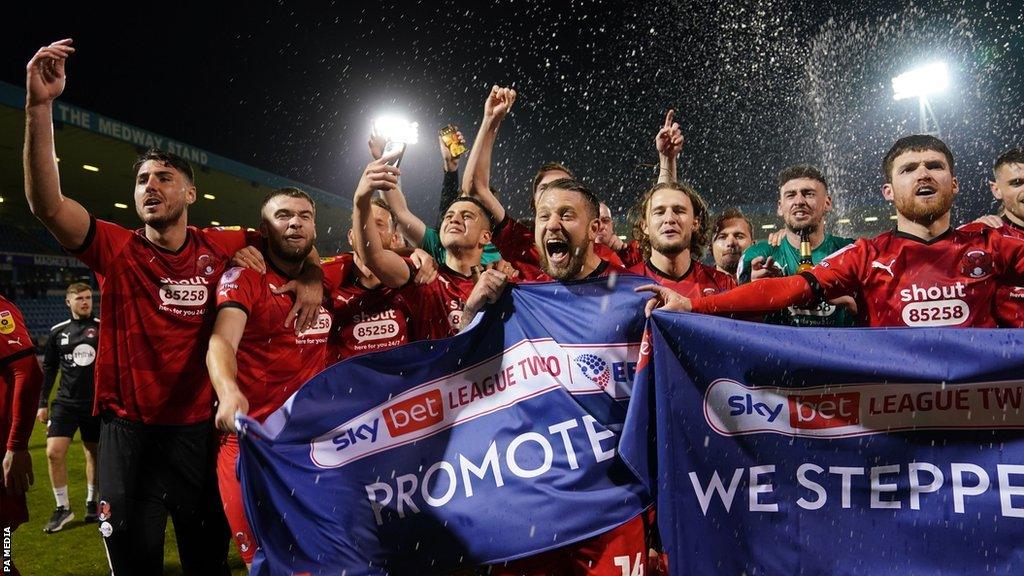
<point>745,405</point>
<point>414,414</point>
<point>360,433</point>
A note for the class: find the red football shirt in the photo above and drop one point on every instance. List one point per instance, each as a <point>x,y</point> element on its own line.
<point>631,254</point>
<point>437,306</point>
<point>272,361</point>
<point>699,280</point>
<point>157,318</point>
<point>905,281</point>
<point>1009,308</point>
<point>365,319</point>
<point>17,407</point>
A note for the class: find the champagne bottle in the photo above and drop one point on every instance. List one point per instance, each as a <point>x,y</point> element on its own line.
<point>451,139</point>
<point>805,251</point>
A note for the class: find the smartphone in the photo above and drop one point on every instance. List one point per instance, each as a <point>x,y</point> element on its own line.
<point>392,148</point>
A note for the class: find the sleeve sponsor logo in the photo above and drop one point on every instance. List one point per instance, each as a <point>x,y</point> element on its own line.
<point>525,370</point>
<point>7,324</point>
<point>837,411</point>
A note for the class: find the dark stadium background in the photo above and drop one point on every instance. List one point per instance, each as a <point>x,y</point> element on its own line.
<point>289,89</point>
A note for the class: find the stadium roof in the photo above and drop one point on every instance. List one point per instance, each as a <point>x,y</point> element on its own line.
<point>96,154</point>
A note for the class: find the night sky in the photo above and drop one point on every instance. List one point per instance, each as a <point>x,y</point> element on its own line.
<point>758,85</point>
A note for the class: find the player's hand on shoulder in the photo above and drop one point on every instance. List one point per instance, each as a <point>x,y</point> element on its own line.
<point>250,257</point>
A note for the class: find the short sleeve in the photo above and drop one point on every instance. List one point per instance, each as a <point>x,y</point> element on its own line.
<point>231,238</point>
<point>238,288</point>
<point>104,242</point>
<point>14,338</point>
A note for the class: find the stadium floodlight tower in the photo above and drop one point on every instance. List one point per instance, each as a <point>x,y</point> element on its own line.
<point>397,132</point>
<point>921,82</point>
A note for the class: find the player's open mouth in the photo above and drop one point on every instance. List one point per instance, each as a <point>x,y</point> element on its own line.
<point>801,213</point>
<point>151,201</point>
<point>558,251</point>
<point>925,191</point>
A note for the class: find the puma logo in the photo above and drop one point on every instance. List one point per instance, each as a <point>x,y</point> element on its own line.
<point>343,299</point>
<point>886,267</point>
<point>16,341</point>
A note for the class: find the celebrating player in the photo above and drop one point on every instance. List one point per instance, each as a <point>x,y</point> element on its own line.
<point>153,391</point>
<point>924,273</point>
<point>671,230</point>
<point>465,230</point>
<point>1008,187</point>
<point>730,236</point>
<point>804,202</point>
<point>255,361</point>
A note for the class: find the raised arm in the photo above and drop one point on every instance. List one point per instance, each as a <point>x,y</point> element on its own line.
<point>222,364</point>
<point>385,264</point>
<point>450,186</point>
<point>669,142</point>
<point>476,180</point>
<point>409,224</point>
<point>66,219</point>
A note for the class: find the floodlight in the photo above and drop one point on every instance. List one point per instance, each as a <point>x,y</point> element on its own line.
<point>396,129</point>
<point>921,81</point>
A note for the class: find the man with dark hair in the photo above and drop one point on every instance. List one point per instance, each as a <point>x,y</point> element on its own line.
<point>731,235</point>
<point>1007,186</point>
<point>465,230</point>
<point>255,361</point>
<point>412,226</point>
<point>923,274</point>
<point>71,351</point>
<point>153,392</point>
<point>804,202</point>
<point>671,230</point>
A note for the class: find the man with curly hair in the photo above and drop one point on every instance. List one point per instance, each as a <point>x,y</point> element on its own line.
<point>670,227</point>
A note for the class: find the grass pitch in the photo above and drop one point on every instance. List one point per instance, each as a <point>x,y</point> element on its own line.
<point>77,550</point>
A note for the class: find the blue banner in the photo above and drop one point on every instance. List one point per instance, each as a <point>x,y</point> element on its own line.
<point>495,444</point>
<point>778,451</point>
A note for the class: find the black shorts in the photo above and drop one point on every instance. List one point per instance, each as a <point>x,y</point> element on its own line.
<point>147,472</point>
<point>64,420</point>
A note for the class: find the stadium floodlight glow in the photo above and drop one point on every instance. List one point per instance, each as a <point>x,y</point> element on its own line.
<point>843,221</point>
<point>921,82</point>
<point>120,205</point>
<point>871,219</point>
<point>90,168</point>
<point>396,129</point>
<point>767,226</point>
<point>209,196</point>
<point>214,223</point>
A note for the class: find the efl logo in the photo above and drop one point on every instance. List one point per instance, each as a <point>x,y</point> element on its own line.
<point>824,410</point>
<point>414,414</point>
